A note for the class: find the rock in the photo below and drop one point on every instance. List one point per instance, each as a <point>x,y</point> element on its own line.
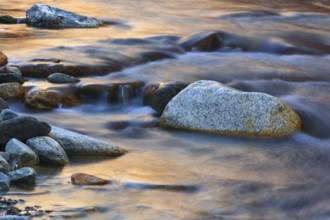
<point>5,155</point>
<point>22,153</point>
<point>25,174</point>
<point>3,105</point>
<point>76,144</point>
<point>49,150</point>
<point>4,182</point>
<point>86,179</point>
<point>6,19</point>
<point>11,90</point>
<point>61,78</point>
<point>49,99</point>
<point>3,60</point>
<point>22,128</point>
<point>7,114</point>
<point>46,16</point>
<point>16,72</point>
<point>4,165</point>
<point>8,78</point>
<point>15,217</point>
<point>211,107</point>
<point>158,95</point>
<point>203,42</point>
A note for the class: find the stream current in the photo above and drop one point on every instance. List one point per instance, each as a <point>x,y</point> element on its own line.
<point>170,174</point>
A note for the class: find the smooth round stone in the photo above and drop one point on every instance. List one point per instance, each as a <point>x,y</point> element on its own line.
<point>86,179</point>
<point>3,59</point>
<point>11,90</point>
<point>25,174</point>
<point>61,78</point>
<point>22,153</point>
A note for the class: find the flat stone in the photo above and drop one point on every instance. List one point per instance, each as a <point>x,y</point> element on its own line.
<point>25,174</point>
<point>76,144</point>
<point>3,59</point>
<point>22,128</point>
<point>4,165</point>
<point>209,106</point>
<point>46,16</point>
<point>4,182</point>
<point>49,150</point>
<point>86,179</point>
<point>22,153</point>
<point>11,90</point>
<point>61,78</point>
<point>7,114</point>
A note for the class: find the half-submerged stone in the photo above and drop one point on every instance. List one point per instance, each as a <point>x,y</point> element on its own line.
<point>46,16</point>
<point>75,144</point>
<point>209,106</point>
<point>86,179</point>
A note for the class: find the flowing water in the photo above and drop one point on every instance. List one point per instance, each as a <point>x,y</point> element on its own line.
<point>280,48</point>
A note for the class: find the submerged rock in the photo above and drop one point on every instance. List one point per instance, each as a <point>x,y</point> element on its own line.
<point>11,90</point>
<point>25,174</point>
<point>157,95</point>
<point>46,16</point>
<point>7,114</point>
<point>22,153</point>
<point>76,144</point>
<point>203,42</point>
<point>61,78</point>
<point>22,128</point>
<point>6,19</point>
<point>4,182</point>
<point>86,179</point>
<point>49,150</point>
<point>211,107</point>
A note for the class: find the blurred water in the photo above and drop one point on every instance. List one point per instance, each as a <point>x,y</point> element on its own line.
<point>226,177</point>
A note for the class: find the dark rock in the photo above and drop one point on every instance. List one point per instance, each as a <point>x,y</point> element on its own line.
<point>11,90</point>
<point>22,153</point>
<point>7,114</point>
<point>4,182</point>
<point>8,78</point>
<point>3,105</point>
<point>22,128</point>
<point>49,150</point>
<point>6,19</point>
<point>4,165</point>
<point>157,95</point>
<point>16,72</point>
<point>46,16</point>
<point>61,78</point>
<point>25,174</point>
<point>203,42</point>
<point>5,155</point>
<point>86,179</point>
<point>3,60</point>
<point>49,99</point>
<point>76,144</point>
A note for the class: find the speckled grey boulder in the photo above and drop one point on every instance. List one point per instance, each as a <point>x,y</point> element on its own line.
<point>49,150</point>
<point>76,144</point>
<point>25,174</point>
<point>22,153</point>
<point>61,78</point>
<point>4,182</point>
<point>212,107</point>
<point>4,165</point>
<point>46,16</point>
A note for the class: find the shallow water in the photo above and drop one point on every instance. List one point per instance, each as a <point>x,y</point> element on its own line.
<point>175,174</point>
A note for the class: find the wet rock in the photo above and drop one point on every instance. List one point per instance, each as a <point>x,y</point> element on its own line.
<point>6,19</point>
<point>22,128</point>
<point>61,78</point>
<point>7,114</point>
<point>49,99</point>
<point>5,155</point>
<point>4,165</point>
<point>49,150</point>
<point>3,60</point>
<point>11,90</point>
<point>86,179</point>
<point>4,182</point>
<point>203,42</point>
<point>15,217</point>
<point>8,78</point>
<point>16,72</point>
<point>25,174</point>
<point>159,94</point>
<point>3,105</point>
<point>22,153</point>
<point>46,16</point>
<point>211,107</point>
<point>76,144</point>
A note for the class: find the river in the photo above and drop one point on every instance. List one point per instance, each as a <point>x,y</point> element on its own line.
<point>280,48</point>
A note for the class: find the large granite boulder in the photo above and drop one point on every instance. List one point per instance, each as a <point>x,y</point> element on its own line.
<point>46,16</point>
<point>212,107</point>
<point>76,144</point>
<point>49,150</point>
<point>22,128</point>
